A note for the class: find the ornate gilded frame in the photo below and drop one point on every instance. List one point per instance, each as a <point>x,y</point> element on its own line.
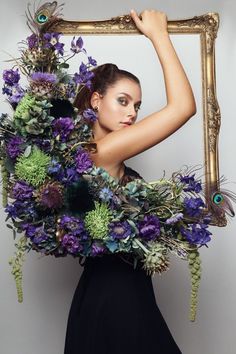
<point>206,26</point>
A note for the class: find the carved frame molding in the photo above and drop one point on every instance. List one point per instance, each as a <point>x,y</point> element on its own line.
<point>207,27</point>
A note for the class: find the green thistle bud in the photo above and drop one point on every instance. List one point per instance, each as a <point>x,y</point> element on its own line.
<point>33,169</point>
<point>156,259</point>
<point>97,220</point>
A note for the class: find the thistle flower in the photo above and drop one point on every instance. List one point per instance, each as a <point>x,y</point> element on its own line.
<point>156,259</point>
<point>33,169</point>
<point>42,84</point>
<point>50,195</point>
<point>97,221</point>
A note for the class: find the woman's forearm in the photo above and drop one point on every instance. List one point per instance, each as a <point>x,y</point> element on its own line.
<point>178,88</point>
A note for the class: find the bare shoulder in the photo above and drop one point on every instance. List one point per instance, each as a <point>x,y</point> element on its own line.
<point>125,143</point>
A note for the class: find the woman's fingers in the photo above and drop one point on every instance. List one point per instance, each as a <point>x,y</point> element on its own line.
<point>150,22</point>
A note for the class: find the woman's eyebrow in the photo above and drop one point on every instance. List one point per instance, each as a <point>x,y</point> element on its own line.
<point>124,93</point>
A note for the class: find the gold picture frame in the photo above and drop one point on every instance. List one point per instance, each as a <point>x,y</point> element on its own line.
<point>207,27</point>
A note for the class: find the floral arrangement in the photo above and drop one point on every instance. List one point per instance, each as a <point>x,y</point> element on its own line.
<point>59,200</point>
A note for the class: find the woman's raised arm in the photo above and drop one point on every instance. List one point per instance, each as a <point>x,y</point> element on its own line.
<point>120,145</point>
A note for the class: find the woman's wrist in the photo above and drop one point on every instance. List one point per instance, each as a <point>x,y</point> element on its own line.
<point>159,36</point>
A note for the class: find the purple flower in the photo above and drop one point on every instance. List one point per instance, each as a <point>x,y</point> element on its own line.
<point>97,249</point>
<point>71,243</point>
<point>82,160</point>
<point>193,205</point>
<point>62,127</point>
<point>174,219</point>
<point>22,210</point>
<point>43,144</point>
<point>54,168</point>
<point>14,147</point>
<point>22,191</point>
<point>89,115</point>
<point>52,41</point>
<point>192,184</point>
<point>84,76</point>
<point>74,226</point>
<point>14,93</point>
<point>45,77</point>
<point>120,229</point>
<point>32,41</point>
<point>77,46</point>
<point>92,61</point>
<point>11,77</point>
<point>70,176</point>
<point>37,234</point>
<point>17,92</point>
<point>149,227</point>
<point>196,235</point>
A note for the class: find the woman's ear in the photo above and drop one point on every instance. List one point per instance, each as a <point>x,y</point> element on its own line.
<point>95,99</point>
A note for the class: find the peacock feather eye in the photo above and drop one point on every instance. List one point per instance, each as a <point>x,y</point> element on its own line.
<point>218,198</point>
<point>42,17</point>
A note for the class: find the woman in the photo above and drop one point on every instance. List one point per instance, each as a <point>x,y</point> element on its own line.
<point>114,310</point>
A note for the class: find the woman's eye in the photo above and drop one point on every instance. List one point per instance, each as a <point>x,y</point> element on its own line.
<point>122,100</point>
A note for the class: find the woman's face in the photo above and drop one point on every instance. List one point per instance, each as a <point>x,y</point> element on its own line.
<point>118,108</point>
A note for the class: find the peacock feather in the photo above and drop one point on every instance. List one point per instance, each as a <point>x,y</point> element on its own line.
<point>44,16</point>
<point>221,200</point>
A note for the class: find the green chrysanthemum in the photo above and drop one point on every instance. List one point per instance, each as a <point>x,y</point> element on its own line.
<point>33,169</point>
<point>156,260</point>
<point>195,268</point>
<point>97,220</point>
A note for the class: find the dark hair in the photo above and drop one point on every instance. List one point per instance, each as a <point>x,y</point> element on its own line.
<point>105,75</point>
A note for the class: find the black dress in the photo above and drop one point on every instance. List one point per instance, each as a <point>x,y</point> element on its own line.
<point>114,310</point>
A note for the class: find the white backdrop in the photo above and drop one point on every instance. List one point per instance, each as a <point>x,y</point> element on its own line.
<point>38,324</point>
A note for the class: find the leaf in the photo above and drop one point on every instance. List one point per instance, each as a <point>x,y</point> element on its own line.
<point>64,65</point>
<point>27,151</point>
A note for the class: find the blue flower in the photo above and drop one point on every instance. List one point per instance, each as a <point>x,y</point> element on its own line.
<point>89,115</point>
<point>77,46</point>
<point>120,229</point>
<point>193,205</point>
<point>149,227</point>
<point>197,234</point>
<point>11,77</point>
<point>192,184</point>
<point>105,194</point>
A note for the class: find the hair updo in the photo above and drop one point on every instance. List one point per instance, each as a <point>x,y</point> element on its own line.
<point>105,75</point>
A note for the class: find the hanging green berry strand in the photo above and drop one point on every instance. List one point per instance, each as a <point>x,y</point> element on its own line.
<point>194,262</point>
<point>5,176</point>
<point>16,263</point>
